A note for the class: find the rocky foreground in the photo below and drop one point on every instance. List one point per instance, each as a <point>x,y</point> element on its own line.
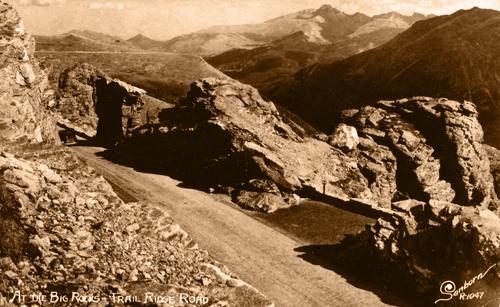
<point>65,231</point>
<point>66,239</point>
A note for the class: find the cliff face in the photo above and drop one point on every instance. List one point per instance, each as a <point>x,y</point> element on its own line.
<point>97,105</point>
<point>23,84</point>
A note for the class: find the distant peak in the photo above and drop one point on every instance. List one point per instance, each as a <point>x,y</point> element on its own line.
<point>389,14</point>
<point>327,8</point>
<point>80,32</point>
<point>475,11</point>
<point>139,36</point>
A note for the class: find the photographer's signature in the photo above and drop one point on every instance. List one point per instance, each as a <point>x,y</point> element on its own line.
<point>449,289</point>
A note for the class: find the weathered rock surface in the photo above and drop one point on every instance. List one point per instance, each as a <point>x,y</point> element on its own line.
<point>494,155</point>
<point>438,144</point>
<point>224,133</point>
<point>441,227</point>
<point>378,164</point>
<point>22,84</point>
<point>97,104</point>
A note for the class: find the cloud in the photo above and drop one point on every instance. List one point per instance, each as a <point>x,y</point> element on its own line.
<point>41,2</point>
<point>106,6</point>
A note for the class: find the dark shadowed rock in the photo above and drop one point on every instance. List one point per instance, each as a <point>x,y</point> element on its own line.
<point>494,155</point>
<point>428,243</point>
<point>263,195</point>
<point>225,133</point>
<point>97,105</point>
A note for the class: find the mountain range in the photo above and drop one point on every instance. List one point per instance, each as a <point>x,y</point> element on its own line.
<point>325,35</point>
<point>259,54</point>
<point>455,56</point>
<point>82,40</point>
<point>313,27</point>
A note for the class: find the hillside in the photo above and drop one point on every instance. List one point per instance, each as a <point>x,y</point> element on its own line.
<point>165,76</point>
<point>143,42</point>
<point>78,40</point>
<point>338,36</point>
<point>97,36</point>
<point>455,56</point>
<point>206,44</point>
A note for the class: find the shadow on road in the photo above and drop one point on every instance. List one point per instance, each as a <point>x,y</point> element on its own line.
<point>360,269</point>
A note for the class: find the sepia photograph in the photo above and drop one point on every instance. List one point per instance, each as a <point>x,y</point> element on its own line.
<point>250,153</point>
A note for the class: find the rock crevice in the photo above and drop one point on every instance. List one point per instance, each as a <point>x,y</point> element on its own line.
<point>438,145</point>
<point>103,107</point>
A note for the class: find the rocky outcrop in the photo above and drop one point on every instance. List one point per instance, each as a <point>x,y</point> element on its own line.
<point>443,224</point>
<point>224,133</point>
<point>438,144</point>
<point>22,84</point>
<point>425,244</point>
<point>98,105</point>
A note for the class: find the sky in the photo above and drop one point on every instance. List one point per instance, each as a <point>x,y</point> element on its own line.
<point>164,19</point>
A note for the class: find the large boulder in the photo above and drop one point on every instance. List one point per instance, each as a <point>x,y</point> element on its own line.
<point>438,144</point>
<point>22,84</point>
<point>91,102</point>
<point>344,137</point>
<point>224,133</point>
